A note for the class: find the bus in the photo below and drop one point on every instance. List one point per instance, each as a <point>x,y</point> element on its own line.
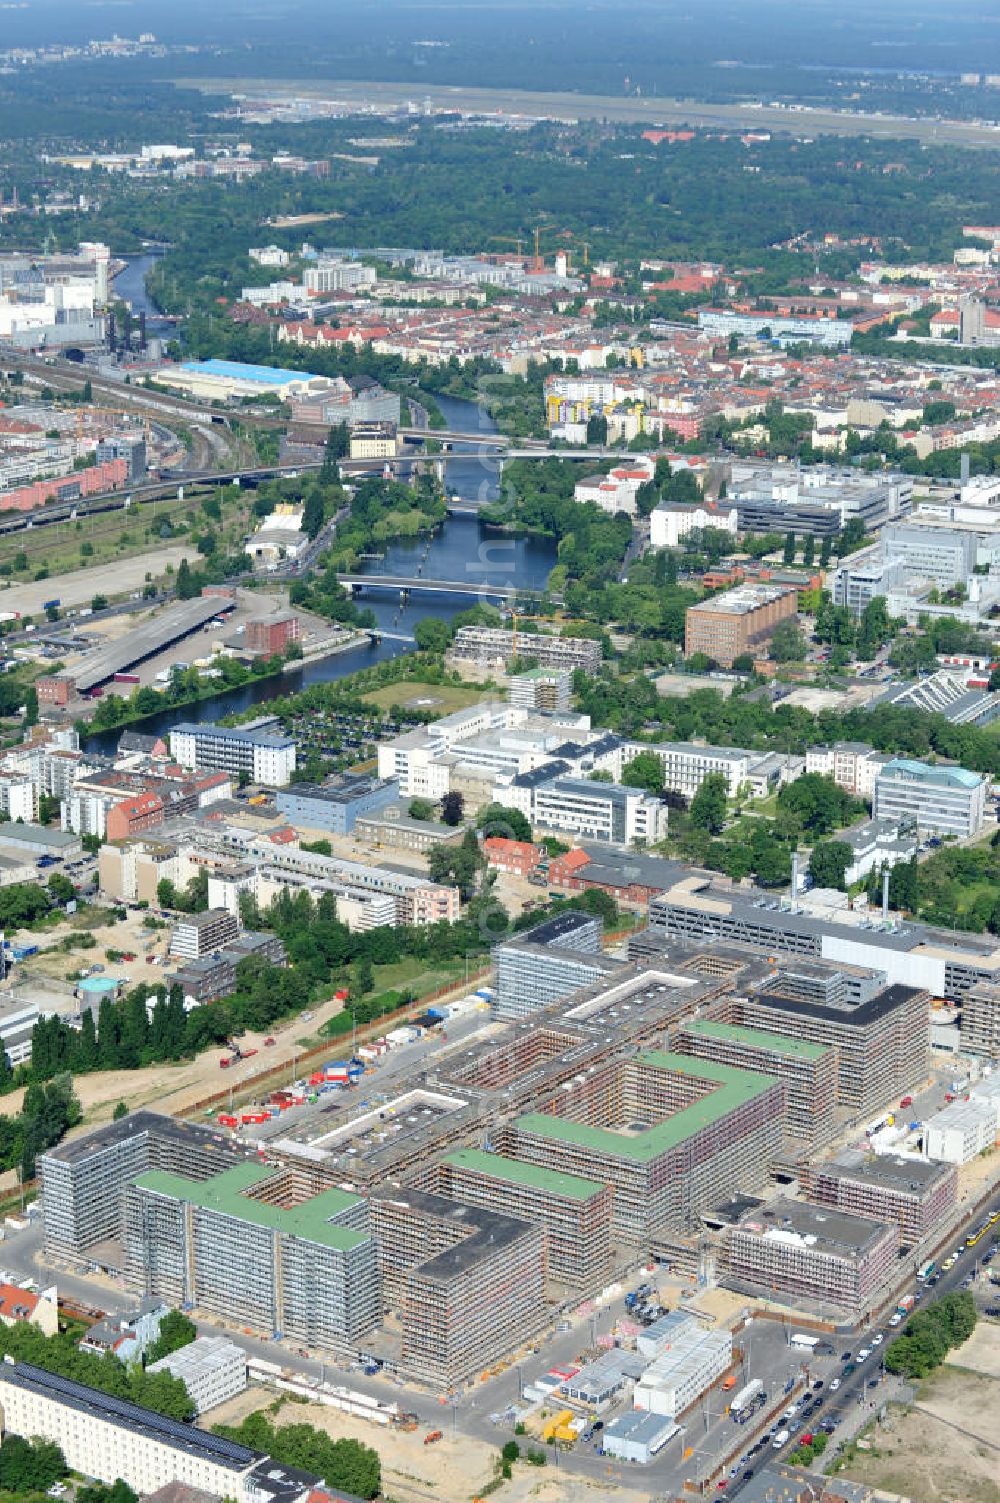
<point>926,1269</point>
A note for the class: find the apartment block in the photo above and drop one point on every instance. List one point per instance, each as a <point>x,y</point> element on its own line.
<point>197,934</point>
<point>576,1213</point>
<point>913,1193</point>
<point>981,1019</point>
<point>469,1282</point>
<point>938,800</point>
<point>542,688</point>
<point>83,1181</point>
<point>670,1134</point>
<point>245,1246</point>
<point>489,645</point>
<point>808,1071</point>
<point>263,758</point>
<point>810,1255</point>
<point>726,626</point>
<point>214,975</point>
<point>852,765</point>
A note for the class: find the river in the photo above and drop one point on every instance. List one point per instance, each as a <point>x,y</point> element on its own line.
<point>461,550</point>
<point>130,286</point>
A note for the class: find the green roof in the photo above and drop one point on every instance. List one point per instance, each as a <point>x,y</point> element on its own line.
<point>532,1176</point>
<point>733,1089</point>
<point>226,1193</point>
<point>757,1038</point>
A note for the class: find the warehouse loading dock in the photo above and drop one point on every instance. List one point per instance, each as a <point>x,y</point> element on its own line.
<point>144,641</point>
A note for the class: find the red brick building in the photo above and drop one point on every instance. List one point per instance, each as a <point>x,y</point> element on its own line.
<point>133,815</point>
<point>55,689</point>
<point>272,635</point>
<point>519,858</point>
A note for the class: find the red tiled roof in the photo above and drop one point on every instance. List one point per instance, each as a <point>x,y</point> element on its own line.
<point>16,1304</point>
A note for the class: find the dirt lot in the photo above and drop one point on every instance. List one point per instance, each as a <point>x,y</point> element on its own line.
<point>452,1470</point>
<point>80,586</point>
<point>981,1353</point>
<point>944,1450</point>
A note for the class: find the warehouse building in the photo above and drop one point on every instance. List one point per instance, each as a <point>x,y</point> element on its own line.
<point>638,1436</point>
<point>469,1283</point>
<point>245,1246</point>
<point>727,626</point>
<point>263,758</point>
<point>809,1072</point>
<point>335,806</point>
<point>810,1255</point>
<point>576,1213</point>
<point>83,1181</point>
<point>211,1368</point>
<point>913,1193</point>
<point>882,1044</point>
<point>938,800</point>
<point>670,1134</point>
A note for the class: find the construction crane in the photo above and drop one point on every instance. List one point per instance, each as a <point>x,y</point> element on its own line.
<point>517,240</point>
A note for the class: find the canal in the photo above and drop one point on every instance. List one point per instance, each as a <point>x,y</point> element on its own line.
<point>463,550</point>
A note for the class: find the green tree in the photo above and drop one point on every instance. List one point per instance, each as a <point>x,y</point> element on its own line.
<point>61,887</point>
<point>452,808</point>
<point>120,1111</point>
<point>645,770</point>
<point>499,820</point>
<point>420,808</point>
<point>185,583</point>
<point>432,634</point>
<point>788,645</point>
<point>176,1330</point>
<point>789,552</point>
<point>709,805</point>
<point>828,863</point>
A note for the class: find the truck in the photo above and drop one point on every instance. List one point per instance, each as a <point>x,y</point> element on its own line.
<point>803,1342</point>
<point>51,605</point>
<point>906,1304</point>
<point>126,678</point>
<point>746,1403</point>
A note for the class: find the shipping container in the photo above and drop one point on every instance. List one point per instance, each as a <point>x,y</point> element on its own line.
<point>51,605</point>
<point>225,1120</point>
<point>126,678</point>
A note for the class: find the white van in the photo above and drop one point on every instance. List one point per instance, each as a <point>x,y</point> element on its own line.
<point>779,1440</point>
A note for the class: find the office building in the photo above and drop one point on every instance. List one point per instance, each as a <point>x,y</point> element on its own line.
<point>962,1131</point>
<point>108,1438</point>
<point>809,1072</point>
<point>83,1181</point>
<point>263,758</point>
<point>197,934</point>
<point>542,689</point>
<point>830,333</point>
<point>938,800</point>
<point>576,1213</point>
<point>881,1044</point>
<point>334,807</point>
<point>865,575</point>
<point>704,911</point>
<point>211,1368</point>
<point>686,764</point>
<point>614,813</point>
<point>726,627</point>
<point>913,1193</point>
<point>486,645</point>
<point>944,555</point>
<point>809,1255</point>
<point>670,1134</point>
<point>469,1283</point>
<point>245,1247</point>
<point>690,1361</point>
<point>543,964</point>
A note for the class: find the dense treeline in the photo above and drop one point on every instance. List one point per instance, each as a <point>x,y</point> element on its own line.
<point>344,1464</point>
<point>632,705</point>
<point>930,1334</point>
<point>538,497</point>
<point>61,1355</point>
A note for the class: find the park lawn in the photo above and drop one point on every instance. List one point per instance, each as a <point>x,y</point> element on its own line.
<point>417,975</point>
<point>443,697</point>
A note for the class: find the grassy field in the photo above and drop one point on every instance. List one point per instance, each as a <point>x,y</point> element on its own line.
<point>441,698</point>
<point>110,536</point>
<point>414,976</point>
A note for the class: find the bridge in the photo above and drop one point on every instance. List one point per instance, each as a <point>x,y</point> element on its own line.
<point>405,585</point>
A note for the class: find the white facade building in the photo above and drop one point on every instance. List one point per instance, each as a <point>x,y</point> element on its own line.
<point>962,1131</point>
<point>264,758</point>
<point>687,1365</point>
<point>670,523</point>
<point>939,800</point>
<point>211,1368</point>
